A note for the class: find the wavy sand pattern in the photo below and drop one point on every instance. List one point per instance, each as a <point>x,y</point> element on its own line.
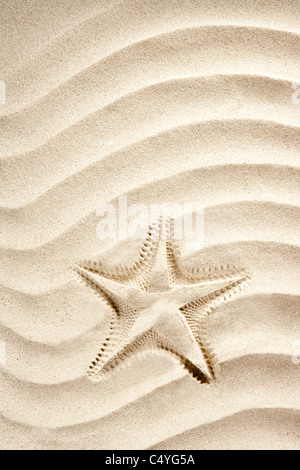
<point>162,101</point>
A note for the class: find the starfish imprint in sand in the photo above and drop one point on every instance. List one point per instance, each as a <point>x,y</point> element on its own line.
<point>159,305</point>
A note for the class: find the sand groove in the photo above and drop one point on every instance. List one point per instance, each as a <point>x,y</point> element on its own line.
<point>172,99</point>
<point>279,42</point>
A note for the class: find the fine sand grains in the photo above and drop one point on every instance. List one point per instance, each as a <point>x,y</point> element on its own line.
<point>194,104</point>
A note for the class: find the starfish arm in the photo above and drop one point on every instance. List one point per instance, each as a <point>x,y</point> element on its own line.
<point>198,332</point>
<point>146,343</point>
<point>183,275</point>
<point>210,302</point>
<point>122,318</point>
<point>138,274</point>
<point>194,313</point>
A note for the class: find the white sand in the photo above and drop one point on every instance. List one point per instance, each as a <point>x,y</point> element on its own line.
<point>163,104</point>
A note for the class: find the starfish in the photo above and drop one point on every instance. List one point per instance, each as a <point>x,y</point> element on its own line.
<point>157,305</point>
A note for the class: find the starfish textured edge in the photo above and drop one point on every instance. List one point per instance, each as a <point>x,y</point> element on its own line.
<point>119,348</point>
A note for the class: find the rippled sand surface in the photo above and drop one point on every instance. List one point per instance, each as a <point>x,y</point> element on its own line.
<point>162,101</point>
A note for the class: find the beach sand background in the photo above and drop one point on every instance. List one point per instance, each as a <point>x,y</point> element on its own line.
<point>162,101</point>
